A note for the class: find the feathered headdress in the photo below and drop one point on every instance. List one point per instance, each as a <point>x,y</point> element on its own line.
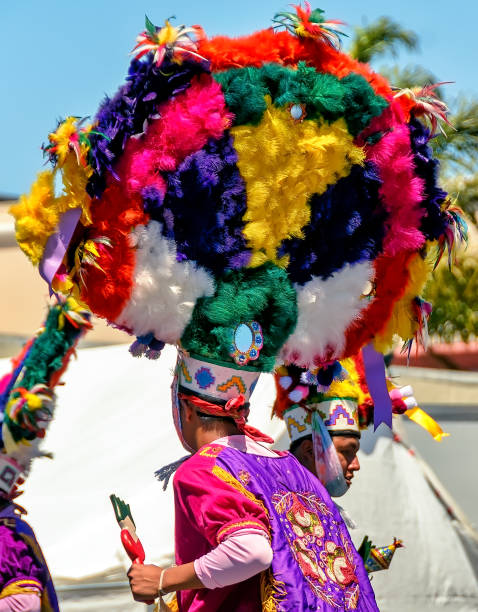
<point>346,407</point>
<point>27,396</point>
<point>252,200</point>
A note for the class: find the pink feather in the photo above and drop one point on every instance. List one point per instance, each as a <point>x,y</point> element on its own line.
<point>401,190</point>
<point>184,126</point>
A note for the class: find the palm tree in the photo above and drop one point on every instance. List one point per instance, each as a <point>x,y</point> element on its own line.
<point>383,36</point>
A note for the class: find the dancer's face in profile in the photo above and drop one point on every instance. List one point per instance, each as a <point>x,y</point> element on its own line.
<point>346,447</point>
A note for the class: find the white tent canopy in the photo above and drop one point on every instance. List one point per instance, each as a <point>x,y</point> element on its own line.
<point>113,429</point>
<point>391,498</point>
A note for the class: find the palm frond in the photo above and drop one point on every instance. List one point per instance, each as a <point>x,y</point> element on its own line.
<point>457,149</point>
<point>383,36</point>
<point>464,187</point>
<point>412,75</point>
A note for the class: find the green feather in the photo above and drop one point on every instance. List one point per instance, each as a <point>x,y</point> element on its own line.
<point>325,97</point>
<point>150,27</point>
<point>317,16</point>
<point>263,294</point>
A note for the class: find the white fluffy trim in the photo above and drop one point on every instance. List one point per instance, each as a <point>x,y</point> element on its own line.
<point>326,309</point>
<point>165,290</point>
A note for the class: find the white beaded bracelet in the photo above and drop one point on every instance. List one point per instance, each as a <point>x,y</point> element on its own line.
<point>160,589</point>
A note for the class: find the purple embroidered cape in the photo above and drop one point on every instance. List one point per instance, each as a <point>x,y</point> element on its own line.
<point>315,565</point>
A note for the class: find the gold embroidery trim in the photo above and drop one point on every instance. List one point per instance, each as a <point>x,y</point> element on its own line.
<point>22,587</point>
<point>173,604</point>
<point>231,526</point>
<point>223,475</point>
<point>211,451</point>
<point>273,591</point>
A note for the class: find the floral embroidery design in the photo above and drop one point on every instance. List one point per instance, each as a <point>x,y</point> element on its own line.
<point>328,568</point>
<point>244,477</point>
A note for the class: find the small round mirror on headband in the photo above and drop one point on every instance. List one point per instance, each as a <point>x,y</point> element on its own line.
<point>243,338</point>
<point>297,112</point>
<point>247,342</point>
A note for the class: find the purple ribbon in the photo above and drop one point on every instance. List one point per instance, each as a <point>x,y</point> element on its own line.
<point>377,385</point>
<point>57,244</point>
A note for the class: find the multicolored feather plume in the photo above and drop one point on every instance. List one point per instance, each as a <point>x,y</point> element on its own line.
<point>308,23</point>
<point>424,102</point>
<point>27,396</point>
<point>174,43</point>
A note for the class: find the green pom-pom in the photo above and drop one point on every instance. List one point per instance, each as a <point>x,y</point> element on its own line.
<point>325,97</point>
<point>361,103</point>
<point>45,357</point>
<point>262,294</point>
<point>244,93</point>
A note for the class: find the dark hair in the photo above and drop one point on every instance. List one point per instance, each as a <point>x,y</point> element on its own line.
<point>210,421</point>
<point>296,443</point>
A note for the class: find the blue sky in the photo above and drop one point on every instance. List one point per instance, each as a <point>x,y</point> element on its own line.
<point>59,57</point>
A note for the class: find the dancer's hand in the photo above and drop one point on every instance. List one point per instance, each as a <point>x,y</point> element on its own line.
<point>144,581</point>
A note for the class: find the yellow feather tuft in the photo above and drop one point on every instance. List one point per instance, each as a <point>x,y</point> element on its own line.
<point>36,217</point>
<point>403,321</point>
<point>283,163</point>
<point>34,401</point>
<point>61,138</point>
<point>37,214</point>
<point>75,178</point>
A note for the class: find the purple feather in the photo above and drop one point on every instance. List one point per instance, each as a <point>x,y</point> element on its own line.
<point>124,115</point>
<point>203,208</point>
<point>434,222</point>
<point>347,226</point>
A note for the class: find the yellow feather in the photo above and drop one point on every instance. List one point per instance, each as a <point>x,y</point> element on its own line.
<point>283,163</point>
<point>36,216</point>
<point>90,246</point>
<point>34,402</point>
<point>61,138</point>
<point>75,177</point>
<point>403,322</point>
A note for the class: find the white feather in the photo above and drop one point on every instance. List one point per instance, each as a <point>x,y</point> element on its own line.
<point>165,290</point>
<point>326,309</point>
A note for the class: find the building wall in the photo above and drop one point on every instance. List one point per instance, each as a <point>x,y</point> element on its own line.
<point>24,297</point>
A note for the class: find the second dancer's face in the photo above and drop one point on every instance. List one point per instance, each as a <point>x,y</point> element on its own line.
<point>347,448</point>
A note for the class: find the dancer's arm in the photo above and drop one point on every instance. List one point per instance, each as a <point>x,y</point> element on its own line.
<point>21,603</point>
<point>234,560</point>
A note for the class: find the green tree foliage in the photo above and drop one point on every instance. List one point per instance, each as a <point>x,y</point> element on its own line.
<point>383,36</point>
<point>458,150</point>
<point>410,75</point>
<point>454,295</point>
